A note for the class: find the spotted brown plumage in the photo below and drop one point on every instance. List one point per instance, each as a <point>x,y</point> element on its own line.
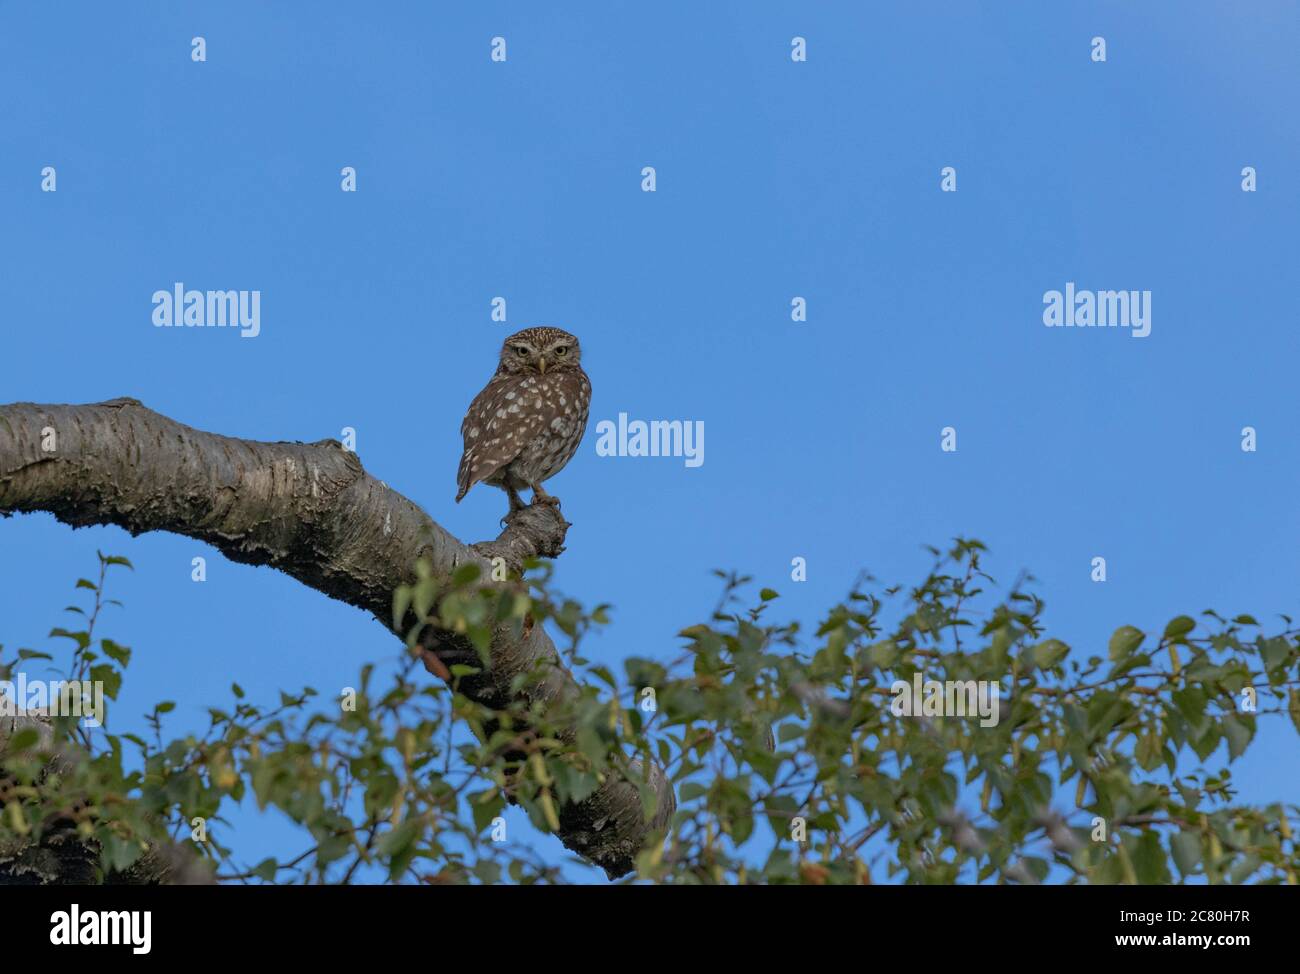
<point>527,422</point>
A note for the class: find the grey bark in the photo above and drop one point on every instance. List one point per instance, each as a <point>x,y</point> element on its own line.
<point>312,511</point>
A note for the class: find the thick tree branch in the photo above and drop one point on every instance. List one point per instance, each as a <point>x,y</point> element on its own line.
<point>310,510</point>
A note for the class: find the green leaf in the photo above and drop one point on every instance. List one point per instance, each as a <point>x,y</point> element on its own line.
<point>1049,653</point>
<point>466,573</point>
<point>1124,641</point>
<point>1243,870</point>
<point>1149,860</point>
<point>399,845</point>
<point>884,654</point>
<point>1179,627</point>
<point>789,732</point>
<point>1186,847</point>
<point>1149,751</point>
<point>424,595</point>
<point>742,827</point>
<point>767,594</point>
<point>691,791</point>
<point>119,654</point>
<point>108,676</point>
<point>1190,702</point>
<point>25,738</point>
<point>1238,734</point>
<point>1274,652</point>
<point>486,805</point>
<point>118,854</point>
<point>1205,744</point>
<point>82,639</point>
<point>401,602</point>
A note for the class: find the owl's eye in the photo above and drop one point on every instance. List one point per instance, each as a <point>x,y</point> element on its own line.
<point>521,351</point>
<point>561,350</point>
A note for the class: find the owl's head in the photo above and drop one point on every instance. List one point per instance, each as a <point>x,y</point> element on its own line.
<point>538,351</point>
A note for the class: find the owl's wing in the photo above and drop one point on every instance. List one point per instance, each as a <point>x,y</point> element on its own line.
<point>496,429</point>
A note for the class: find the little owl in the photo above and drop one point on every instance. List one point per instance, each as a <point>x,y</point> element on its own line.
<point>527,422</point>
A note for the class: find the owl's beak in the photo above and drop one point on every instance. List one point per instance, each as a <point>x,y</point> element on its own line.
<point>541,364</point>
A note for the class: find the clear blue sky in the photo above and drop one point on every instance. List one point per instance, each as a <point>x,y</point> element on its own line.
<point>775,179</point>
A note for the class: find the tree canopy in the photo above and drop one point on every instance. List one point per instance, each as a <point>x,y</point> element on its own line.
<point>790,749</point>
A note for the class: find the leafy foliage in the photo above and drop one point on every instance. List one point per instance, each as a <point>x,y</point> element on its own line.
<point>789,756</point>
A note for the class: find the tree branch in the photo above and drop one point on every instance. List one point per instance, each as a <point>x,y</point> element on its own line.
<point>310,510</point>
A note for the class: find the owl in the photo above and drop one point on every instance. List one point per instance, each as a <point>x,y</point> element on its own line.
<point>527,422</point>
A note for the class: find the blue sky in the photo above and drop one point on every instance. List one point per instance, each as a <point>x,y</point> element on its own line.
<point>775,179</point>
